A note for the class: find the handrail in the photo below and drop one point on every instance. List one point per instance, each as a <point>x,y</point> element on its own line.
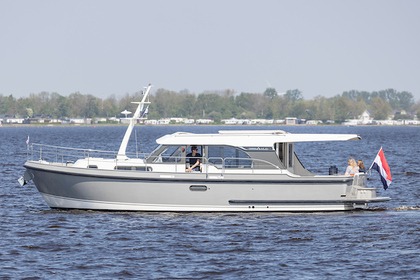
<point>67,155</point>
<point>68,148</point>
<point>360,179</point>
<point>252,162</point>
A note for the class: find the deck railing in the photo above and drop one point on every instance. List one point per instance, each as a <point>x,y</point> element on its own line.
<point>65,155</point>
<point>360,179</point>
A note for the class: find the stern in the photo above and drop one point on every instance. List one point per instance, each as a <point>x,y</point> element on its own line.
<point>360,194</point>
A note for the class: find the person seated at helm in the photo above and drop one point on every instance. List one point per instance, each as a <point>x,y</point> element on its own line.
<point>193,159</point>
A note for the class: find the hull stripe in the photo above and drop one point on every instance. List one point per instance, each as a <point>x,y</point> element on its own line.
<point>314,181</point>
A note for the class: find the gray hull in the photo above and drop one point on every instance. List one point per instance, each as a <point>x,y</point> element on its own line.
<point>69,187</point>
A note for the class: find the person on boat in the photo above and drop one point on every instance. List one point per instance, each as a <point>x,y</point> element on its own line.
<point>194,159</point>
<point>352,167</point>
<point>361,165</point>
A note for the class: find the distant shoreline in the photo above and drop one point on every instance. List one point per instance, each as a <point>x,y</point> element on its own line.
<point>227,125</point>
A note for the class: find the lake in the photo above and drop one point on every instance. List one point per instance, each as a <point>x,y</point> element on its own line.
<point>379,243</point>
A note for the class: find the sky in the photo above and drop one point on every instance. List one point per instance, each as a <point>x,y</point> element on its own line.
<point>105,48</point>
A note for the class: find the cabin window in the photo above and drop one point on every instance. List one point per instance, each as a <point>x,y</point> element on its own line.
<point>290,155</point>
<point>171,154</point>
<point>229,157</point>
<point>280,150</point>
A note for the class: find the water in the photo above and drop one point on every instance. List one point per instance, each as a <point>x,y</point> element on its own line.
<point>382,242</point>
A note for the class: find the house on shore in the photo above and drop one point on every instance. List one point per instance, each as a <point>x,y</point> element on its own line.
<point>363,119</point>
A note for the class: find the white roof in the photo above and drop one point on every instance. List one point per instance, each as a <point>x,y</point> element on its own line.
<point>249,138</point>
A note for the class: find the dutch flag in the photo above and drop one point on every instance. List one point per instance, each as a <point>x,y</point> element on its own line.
<point>381,165</point>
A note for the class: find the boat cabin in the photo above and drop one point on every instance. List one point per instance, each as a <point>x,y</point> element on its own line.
<point>230,150</point>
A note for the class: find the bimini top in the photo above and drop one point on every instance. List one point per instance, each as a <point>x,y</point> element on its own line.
<point>249,138</point>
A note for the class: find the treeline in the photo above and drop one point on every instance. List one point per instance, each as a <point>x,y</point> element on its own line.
<point>217,105</point>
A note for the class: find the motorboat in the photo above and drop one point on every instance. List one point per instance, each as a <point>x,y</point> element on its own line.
<point>238,171</point>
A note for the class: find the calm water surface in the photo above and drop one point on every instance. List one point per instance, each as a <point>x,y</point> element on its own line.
<point>382,242</point>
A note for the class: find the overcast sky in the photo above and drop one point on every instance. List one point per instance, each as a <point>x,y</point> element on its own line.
<point>103,47</point>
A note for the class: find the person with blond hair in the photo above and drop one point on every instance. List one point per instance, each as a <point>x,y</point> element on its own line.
<point>352,167</point>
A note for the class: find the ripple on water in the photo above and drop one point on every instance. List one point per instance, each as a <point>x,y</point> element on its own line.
<point>376,243</point>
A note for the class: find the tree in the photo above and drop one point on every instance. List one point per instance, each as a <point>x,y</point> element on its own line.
<point>77,104</point>
<point>109,107</point>
<point>293,95</point>
<point>406,100</point>
<point>8,105</point>
<point>270,93</point>
<point>275,107</point>
<point>380,109</point>
<point>91,108</point>
<point>59,105</point>
<point>217,105</point>
<point>342,107</point>
<point>245,101</point>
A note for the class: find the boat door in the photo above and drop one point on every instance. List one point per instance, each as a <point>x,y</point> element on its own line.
<point>284,152</point>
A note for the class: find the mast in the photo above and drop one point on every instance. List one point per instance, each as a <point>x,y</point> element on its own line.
<point>138,114</point>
